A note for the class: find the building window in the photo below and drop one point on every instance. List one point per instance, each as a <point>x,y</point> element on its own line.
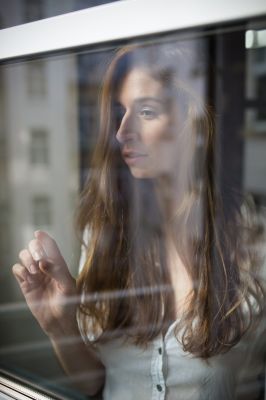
<point>261,85</point>
<point>4,231</point>
<point>3,149</point>
<point>260,54</point>
<point>39,147</point>
<point>36,78</point>
<point>33,10</point>
<point>41,209</point>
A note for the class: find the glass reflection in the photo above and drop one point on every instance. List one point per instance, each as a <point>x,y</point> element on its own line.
<point>173,237</point>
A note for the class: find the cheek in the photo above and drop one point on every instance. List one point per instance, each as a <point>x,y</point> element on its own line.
<point>166,149</point>
<point>157,132</point>
<point>160,139</point>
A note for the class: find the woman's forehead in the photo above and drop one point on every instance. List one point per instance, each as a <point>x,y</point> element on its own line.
<point>138,83</point>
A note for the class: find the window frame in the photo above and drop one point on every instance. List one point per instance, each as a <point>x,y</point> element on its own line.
<point>13,386</point>
<point>85,27</point>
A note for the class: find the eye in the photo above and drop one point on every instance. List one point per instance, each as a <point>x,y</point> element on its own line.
<point>148,113</point>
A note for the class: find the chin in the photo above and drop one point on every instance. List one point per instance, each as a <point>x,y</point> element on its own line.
<point>141,174</point>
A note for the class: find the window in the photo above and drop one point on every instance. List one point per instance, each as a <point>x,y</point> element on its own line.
<point>16,12</point>
<point>41,208</point>
<point>261,93</point>
<point>55,124</point>
<point>33,10</point>
<point>39,147</point>
<point>4,232</point>
<point>36,79</point>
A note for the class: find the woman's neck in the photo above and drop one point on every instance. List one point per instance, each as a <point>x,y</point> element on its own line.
<point>168,194</point>
<point>181,280</point>
<point>169,199</point>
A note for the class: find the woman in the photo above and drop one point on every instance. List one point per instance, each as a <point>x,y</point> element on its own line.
<point>168,284</point>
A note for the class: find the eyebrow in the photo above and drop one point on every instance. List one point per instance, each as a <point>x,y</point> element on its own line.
<point>147,98</point>
<point>144,99</point>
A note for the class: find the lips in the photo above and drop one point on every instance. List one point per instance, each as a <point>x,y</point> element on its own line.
<point>132,156</point>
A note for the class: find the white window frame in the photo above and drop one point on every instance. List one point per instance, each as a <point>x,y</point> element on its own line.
<point>121,20</point>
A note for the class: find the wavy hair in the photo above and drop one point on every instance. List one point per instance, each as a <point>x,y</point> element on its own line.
<point>125,282</point>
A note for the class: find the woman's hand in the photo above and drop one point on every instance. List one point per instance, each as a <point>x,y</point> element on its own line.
<point>49,289</point>
<point>51,294</point>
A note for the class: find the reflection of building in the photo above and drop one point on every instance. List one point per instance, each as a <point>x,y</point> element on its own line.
<point>5,239</point>
<point>16,12</point>
<point>39,157</point>
<point>42,135</point>
<point>255,144</point>
<point>5,231</point>
<point>39,176</point>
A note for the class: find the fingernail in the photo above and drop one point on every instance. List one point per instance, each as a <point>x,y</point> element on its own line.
<point>34,269</point>
<point>37,255</point>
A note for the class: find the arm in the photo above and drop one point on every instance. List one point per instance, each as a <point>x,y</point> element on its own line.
<point>80,362</point>
<point>50,292</point>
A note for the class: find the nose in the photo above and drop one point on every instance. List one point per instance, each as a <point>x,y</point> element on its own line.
<point>127,130</point>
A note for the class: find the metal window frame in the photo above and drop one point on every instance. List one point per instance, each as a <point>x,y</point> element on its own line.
<point>17,387</point>
<point>121,20</point>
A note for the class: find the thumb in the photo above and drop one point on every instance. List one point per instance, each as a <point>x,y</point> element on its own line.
<point>59,273</point>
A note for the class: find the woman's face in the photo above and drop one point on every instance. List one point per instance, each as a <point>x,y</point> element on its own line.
<point>147,133</point>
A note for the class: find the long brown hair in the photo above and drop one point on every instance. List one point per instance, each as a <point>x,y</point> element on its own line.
<point>125,281</point>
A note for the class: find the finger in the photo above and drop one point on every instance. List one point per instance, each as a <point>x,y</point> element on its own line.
<point>22,276</point>
<point>60,274</point>
<point>28,261</point>
<point>26,281</point>
<point>54,264</point>
<point>50,246</point>
<point>36,250</point>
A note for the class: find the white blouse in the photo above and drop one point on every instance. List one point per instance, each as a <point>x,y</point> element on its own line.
<point>163,371</point>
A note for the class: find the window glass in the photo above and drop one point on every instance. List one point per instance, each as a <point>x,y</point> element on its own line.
<point>41,211</point>
<point>36,79</point>
<point>16,12</point>
<point>33,10</point>
<point>177,208</point>
<point>39,150</point>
